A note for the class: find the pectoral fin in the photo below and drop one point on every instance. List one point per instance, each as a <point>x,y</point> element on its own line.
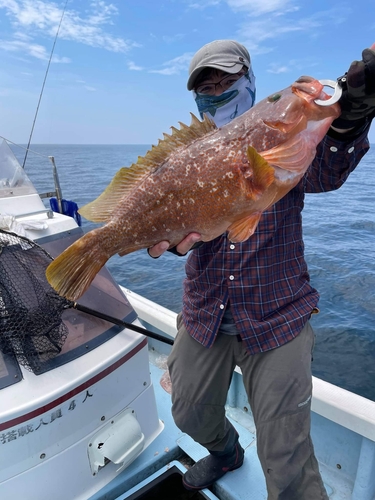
<point>293,155</point>
<point>296,125</point>
<point>279,125</point>
<point>262,174</point>
<point>242,229</point>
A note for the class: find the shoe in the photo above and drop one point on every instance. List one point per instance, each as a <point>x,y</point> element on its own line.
<point>209,469</point>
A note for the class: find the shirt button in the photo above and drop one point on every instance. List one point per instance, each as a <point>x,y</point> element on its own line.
<point>221,306</point>
<point>350,150</point>
<point>231,277</point>
<point>232,247</point>
<point>333,149</point>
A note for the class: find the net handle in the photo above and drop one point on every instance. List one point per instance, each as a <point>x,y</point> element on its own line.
<point>88,310</point>
<point>122,323</point>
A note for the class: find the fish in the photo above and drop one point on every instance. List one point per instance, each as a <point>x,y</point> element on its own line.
<point>203,179</point>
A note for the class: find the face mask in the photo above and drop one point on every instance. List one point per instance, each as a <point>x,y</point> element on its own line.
<point>239,98</point>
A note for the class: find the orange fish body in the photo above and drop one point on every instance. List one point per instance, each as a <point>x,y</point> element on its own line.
<point>201,179</point>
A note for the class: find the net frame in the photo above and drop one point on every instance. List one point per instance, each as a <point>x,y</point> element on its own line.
<point>31,326</point>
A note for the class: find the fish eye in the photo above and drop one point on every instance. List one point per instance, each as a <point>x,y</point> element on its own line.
<point>274,97</point>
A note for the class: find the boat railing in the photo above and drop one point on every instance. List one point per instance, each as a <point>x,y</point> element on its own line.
<point>47,211</point>
<point>8,156</point>
<point>334,403</point>
<point>57,193</point>
<point>14,183</point>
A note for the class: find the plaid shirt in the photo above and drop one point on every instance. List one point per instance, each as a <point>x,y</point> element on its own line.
<point>265,278</point>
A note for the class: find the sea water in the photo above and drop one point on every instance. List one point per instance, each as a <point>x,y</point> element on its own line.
<point>339,234</point>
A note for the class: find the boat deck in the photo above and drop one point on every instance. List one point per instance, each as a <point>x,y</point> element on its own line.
<point>246,483</point>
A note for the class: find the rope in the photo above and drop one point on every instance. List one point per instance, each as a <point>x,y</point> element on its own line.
<point>44,81</point>
<point>22,147</point>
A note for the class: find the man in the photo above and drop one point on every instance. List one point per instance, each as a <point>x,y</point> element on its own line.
<point>249,304</point>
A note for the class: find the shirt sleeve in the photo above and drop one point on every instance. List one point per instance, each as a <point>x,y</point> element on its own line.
<point>334,161</point>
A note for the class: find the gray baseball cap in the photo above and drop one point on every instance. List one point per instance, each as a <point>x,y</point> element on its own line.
<point>226,55</point>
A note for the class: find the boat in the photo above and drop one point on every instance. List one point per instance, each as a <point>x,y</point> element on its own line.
<point>92,420</point>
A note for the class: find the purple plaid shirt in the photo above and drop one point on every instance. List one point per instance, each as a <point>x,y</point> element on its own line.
<point>265,278</point>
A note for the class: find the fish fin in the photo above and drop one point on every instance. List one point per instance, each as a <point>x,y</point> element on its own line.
<point>263,174</point>
<point>72,272</point>
<point>126,179</point>
<point>292,155</point>
<point>286,127</point>
<point>279,125</point>
<point>100,210</point>
<point>242,229</point>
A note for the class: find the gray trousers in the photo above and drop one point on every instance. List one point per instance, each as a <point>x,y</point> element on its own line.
<point>278,385</point>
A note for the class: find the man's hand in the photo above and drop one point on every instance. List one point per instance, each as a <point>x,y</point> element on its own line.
<point>358,100</point>
<point>182,248</point>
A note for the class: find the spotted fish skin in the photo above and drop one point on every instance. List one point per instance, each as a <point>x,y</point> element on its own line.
<point>201,179</point>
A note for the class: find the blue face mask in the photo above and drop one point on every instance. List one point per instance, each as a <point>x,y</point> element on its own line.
<point>239,98</point>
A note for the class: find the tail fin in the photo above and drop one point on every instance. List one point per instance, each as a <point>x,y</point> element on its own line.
<point>72,272</point>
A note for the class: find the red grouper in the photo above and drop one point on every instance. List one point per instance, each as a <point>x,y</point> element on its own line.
<point>201,179</point>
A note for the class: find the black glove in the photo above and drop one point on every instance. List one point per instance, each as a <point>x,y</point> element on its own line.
<point>358,99</point>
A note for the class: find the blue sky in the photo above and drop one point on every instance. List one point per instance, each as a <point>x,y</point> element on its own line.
<point>119,69</point>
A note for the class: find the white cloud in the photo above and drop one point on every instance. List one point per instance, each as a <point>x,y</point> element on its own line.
<point>21,35</point>
<point>32,49</point>
<point>173,38</point>
<point>258,7</point>
<point>133,67</point>
<point>102,13</point>
<point>254,7</point>
<point>31,18</point>
<point>203,4</point>
<point>256,33</point>
<point>266,20</point>
<point>175,66</point>
<point>277,69</point>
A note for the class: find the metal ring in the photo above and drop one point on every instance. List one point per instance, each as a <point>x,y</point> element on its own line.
<point>336,95</point>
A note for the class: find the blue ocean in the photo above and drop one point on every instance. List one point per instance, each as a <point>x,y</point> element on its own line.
<point>339,233</point>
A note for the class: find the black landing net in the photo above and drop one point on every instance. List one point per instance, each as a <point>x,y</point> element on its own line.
<point>31,326</point>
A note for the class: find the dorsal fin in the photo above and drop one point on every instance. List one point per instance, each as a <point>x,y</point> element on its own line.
<point>126,179</point>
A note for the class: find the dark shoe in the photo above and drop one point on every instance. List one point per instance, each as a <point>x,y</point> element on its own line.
<point>209,469</point>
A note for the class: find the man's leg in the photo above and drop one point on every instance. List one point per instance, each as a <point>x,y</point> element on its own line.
<point>200,381</point>
<point>279,387</point>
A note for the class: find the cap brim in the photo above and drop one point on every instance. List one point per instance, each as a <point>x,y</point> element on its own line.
<point>228,69</point>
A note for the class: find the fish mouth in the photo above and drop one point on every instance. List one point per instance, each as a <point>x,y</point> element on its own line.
<point>307,86</point>
<point>312,90</point>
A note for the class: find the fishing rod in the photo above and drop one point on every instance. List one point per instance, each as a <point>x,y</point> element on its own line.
<point>44,82</point>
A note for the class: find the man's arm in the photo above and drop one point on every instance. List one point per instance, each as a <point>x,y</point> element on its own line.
<point>346,141</point>
<point>358,100</point>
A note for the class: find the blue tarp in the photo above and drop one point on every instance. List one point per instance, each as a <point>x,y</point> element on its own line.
<point>68,208</point>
